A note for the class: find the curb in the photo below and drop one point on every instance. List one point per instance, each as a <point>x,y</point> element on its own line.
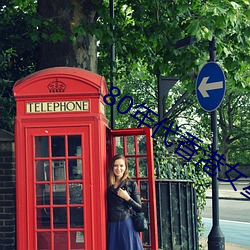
<point>229,198</point>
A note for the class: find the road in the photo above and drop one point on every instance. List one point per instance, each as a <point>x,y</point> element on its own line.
<point>234,220</point>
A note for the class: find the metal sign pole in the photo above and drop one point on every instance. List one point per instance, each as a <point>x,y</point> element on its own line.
<point>112,60</point>
<point>216,239</point>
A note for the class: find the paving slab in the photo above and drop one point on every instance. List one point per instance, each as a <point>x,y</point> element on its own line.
<point>228,246</point>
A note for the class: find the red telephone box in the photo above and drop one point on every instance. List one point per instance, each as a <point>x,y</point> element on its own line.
<point>61,161</point>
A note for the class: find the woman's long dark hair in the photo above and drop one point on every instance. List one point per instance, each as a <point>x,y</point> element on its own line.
<point>111,175</point>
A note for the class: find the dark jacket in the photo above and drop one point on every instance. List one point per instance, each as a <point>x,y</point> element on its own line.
<point>118,208</point>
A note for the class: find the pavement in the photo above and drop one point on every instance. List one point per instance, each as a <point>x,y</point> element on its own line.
<point>226,191</point>
<point>228,246</point>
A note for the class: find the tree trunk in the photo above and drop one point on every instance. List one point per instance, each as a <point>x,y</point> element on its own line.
<point>224,152</point>
<point>74,49</point>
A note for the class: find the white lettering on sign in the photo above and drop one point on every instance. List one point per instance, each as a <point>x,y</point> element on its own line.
<point>49,107</point>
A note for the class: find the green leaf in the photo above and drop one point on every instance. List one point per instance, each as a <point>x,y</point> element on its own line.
<point>194,28</point>
<point>235,5</point>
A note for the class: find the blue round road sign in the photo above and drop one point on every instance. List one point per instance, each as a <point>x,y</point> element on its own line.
<point>210,86</point>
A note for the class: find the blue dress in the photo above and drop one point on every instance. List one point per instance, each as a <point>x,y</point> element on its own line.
<point>122,236</point>
<point>121,232</point>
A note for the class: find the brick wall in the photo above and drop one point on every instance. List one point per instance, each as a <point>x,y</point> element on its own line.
<point>7,191</point>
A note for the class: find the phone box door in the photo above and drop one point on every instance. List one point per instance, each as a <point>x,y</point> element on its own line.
<point>136,145</point>
<point>59,187</point>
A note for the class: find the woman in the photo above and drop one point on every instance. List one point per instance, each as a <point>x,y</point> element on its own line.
<point>122,195</point>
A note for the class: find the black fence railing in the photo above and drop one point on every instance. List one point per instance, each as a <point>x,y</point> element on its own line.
<point>176,211</point>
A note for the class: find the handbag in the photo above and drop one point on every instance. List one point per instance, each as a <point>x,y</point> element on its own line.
<point>139,221</point>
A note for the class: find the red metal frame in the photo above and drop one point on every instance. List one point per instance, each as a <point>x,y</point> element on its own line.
<point>135,132</point>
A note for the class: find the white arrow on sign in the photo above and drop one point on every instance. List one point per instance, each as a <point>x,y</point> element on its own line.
<point>204,86</point>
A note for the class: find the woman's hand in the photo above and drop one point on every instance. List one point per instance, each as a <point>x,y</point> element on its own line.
<point>123,194</point>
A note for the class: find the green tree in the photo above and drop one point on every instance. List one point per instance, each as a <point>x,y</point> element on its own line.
<point>69,39</point>
<point>17,54</point>
<point>148,30</point>
<point>234,118</point>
